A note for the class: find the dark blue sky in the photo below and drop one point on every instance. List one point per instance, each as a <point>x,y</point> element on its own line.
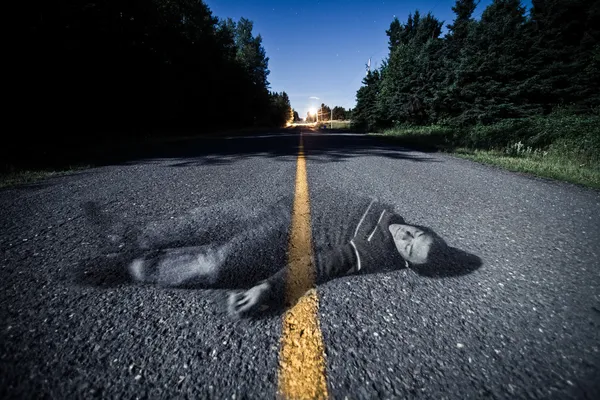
<point>320,48</point>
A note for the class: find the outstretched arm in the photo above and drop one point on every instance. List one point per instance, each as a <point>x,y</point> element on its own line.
<point>259,297</point>
<point>271,292</point>
<point>370,250</point>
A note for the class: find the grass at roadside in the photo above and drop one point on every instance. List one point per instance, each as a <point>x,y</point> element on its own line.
<point>335,124</point>
<point>563,147</point>
<point>433,137</point>
<point>339,124</point>
<point>21,177</point>
<point>549,167</point>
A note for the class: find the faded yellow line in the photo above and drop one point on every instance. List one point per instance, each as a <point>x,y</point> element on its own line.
<point>302,353</point>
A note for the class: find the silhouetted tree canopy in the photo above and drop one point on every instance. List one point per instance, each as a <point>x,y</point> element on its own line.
<point>507,64</point>
<point>340,113</point>
<point>281,110</point>
<point>324,112</point>
<point>128,67</point>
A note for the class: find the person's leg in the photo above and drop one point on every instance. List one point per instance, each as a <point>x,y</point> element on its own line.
<point>193,265</point>
<point>218,256</point>
<point>205,265</point>
<point>209,224</point>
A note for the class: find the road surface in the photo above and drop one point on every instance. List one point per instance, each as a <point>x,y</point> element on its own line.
<point>525,324</point>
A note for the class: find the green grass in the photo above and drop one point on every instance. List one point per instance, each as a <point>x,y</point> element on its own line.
<point>22,177</point>
<point>339,124</point>
<point>549,167</point>
<point>335,124</point>
<point>433,137</point>
<point>563,147</point>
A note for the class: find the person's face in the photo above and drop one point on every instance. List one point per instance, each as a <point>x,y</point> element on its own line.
<point>412,243</point>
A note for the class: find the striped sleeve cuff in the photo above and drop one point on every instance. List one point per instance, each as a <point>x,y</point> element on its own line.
<point>358,266</point>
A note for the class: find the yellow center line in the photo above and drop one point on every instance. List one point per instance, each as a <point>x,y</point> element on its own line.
<point>302,353</point>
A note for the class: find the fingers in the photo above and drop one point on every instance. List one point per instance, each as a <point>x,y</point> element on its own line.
<point>235,303</point>
<point>242,304</point>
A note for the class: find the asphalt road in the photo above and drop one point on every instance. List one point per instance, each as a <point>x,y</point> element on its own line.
<point>525,324</point>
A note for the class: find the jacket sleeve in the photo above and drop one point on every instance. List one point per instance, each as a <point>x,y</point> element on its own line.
<point>376,250</point>
<point>340,261</point>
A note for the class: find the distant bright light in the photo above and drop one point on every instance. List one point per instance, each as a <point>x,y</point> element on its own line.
<point>312,111</point>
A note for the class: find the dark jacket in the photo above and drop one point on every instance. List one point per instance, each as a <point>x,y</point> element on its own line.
<point>365,245</point>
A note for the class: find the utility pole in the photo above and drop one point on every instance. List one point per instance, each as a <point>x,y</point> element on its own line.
<point>331,118</point>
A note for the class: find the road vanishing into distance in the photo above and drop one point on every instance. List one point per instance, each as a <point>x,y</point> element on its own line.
<point>524,324</point>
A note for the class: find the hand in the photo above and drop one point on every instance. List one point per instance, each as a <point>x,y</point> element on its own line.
<point>241,304</point>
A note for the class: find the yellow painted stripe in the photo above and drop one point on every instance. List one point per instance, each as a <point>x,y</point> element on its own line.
<point>302,353</point>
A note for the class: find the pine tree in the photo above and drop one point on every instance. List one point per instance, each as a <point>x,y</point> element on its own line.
<point>133,66</point>
<point>564,53</point>
<point>491,66</point>
<point>505,66</point>
<point>463,21</point>
<point>281,112</point>
<point>411,74</point>
<point>365,115</point>
<point>324,112</point>
<point>339,113</point>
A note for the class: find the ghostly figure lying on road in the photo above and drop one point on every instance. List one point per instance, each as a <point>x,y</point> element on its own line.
<point>232,247</point>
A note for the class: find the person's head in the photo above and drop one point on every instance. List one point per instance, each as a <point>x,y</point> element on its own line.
<point>415,244</point>
<point>429,255</point>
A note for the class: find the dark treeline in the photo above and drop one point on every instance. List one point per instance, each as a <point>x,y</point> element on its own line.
<point>281,109</point>
<point>138,67</point>
<point>509,64</point>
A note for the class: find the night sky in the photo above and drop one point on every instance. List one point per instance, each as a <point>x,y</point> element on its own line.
<point>319,49</point>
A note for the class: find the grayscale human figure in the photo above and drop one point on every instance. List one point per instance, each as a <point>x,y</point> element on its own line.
<point>232,247</point>
<point>375,239</point>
